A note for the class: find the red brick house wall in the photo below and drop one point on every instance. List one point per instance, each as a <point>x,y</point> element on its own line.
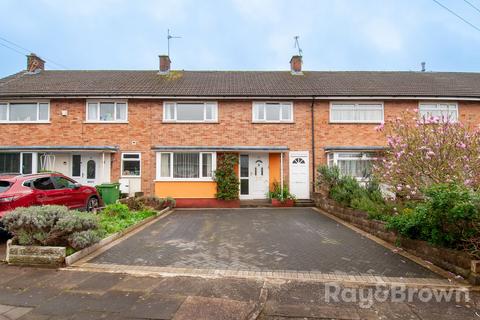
<point>146,129</point>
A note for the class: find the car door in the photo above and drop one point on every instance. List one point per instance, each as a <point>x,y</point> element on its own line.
<point>45,192</point>
<point>72,197</point>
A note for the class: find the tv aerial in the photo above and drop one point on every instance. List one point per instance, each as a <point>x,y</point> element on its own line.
<point>169,36</point>
<point>297,45</point>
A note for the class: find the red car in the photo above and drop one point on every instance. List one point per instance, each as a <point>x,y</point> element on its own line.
<point>45,189</point>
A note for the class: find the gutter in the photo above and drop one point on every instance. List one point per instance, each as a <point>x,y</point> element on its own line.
<point>246,97</point>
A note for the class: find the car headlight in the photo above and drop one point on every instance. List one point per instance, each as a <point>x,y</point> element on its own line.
<point>8,199</point>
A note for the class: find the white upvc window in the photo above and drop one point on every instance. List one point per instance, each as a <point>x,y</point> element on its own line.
<point>18,162</point>
<point>24,112</point>
<point>190,112</point>
<point>443,110</point>
<point>354,164</point>
<point>131,164</point>
<point>186,166</point>
<point>272,112</point>
<point>356,112</point>
<point>107,111</point>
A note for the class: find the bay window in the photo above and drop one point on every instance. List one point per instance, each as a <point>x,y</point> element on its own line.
<point>185,165</point>
<point>24,112</point>
<point>190,112</point>
<point>350,112</point>
<point>353,164</point>
<point>444,111</point>
<point>107,111</point>
<point>272,112</point>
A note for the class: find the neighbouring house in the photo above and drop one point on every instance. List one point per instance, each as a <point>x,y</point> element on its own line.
<point>161,131</point>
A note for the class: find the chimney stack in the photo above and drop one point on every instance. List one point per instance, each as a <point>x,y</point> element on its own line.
<point>423,66</point>
<point>296,65</point>
<point>164,64</point>
<point>35,63</point>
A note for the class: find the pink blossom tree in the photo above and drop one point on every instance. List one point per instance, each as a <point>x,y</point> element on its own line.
<point>428,150</point>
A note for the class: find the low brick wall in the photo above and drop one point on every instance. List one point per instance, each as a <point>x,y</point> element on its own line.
<point>455,261</point>
<point>35,255</point>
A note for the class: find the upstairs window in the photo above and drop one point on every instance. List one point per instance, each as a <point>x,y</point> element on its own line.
<point>363,112</point>
<point>24,112</point>
<point>107,111</point>
<point>272,112</point>
<point>190,112</point>
<point>444,111</point>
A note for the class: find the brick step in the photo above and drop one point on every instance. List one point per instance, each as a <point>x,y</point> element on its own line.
<point>304,203</point>
<point>255,203</point>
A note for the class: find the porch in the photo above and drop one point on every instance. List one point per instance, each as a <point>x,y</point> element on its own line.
<point>88,165</point>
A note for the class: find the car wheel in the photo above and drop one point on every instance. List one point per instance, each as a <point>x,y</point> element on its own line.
<point>92,203</point>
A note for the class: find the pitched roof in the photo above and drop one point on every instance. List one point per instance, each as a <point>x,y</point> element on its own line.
<point>242,83</point>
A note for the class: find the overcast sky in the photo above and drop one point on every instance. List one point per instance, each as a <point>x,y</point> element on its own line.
<point>242,34</point>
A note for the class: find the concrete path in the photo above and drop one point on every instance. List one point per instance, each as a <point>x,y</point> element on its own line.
<point>297,239</point>
<point>40,294</point>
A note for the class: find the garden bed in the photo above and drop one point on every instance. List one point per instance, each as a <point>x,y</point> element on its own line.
<point>457,262</point>
<point>112,226</point>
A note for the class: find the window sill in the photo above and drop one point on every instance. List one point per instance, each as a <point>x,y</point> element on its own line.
<point>191,122</point>
<point>355,122</point>
<point>273,122</point>
<point>185,180</point>
<point>25,122</point>
<point>130,177</point>
<point>105,122</point>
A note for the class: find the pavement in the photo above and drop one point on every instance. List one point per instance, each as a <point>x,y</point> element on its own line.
<point>296,239</point>
<point>45,294</point>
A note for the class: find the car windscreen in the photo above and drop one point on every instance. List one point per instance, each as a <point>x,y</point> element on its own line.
<point>4,185</point>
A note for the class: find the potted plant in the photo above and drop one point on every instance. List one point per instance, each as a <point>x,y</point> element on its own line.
<point>281,197</point>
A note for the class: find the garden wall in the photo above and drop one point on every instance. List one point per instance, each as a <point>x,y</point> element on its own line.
<point>457,262</point>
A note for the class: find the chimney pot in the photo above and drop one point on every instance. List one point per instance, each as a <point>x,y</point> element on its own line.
<point>35,63</point>
<point>164,64</point>
<point>296,64</point>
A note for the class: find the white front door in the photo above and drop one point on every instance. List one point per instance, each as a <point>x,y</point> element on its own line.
<point>85,168</point>
<point>254,176</point>
<point>299,174</point>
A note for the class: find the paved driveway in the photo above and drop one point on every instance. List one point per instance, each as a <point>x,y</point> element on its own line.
<point>258,239</point>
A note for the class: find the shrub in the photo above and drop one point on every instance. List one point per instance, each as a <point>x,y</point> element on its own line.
<point>348,192</point>
<point>428,151</point>
<point>119,210</point>
<point>280,194</point>
<point>134,203</point>
<point>157,203</point>
<point>449,217</point>
<point>328,176</point>
<point>226,177</point>
<point>50,226</point>
<point>376,210</point>
<point>83,239</point>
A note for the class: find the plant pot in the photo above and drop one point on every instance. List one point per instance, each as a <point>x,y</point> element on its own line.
<point>35,255</point>
<point>285,203</point>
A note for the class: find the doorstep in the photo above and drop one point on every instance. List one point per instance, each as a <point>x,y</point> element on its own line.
<point>260,203</point>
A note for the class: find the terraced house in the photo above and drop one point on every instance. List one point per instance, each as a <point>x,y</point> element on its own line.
<point>161,131</point>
